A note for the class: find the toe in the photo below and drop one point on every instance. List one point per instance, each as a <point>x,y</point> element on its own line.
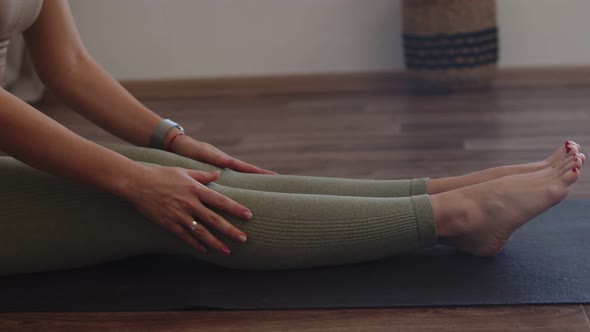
<point>572,144</point>
<point>578,162</point>
<point>571,176</point>
<point>567,164</point>
<point>572,149</point>
<point>572,163</point>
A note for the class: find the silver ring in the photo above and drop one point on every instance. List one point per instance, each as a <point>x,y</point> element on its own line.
<point>194,225</point>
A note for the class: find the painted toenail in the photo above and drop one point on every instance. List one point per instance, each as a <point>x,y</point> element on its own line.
<point>574,169</point>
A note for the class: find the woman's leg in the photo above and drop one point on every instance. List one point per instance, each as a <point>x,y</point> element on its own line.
<point>350,187</point>
<point>281,183</point>
<point>47,223</point>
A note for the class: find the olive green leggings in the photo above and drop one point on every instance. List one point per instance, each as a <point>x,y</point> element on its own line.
<point>47,223</point>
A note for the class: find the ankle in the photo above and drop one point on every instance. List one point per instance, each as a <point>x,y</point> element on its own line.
<point>451,216</point>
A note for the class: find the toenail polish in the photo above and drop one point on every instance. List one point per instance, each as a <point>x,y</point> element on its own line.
<point>575,169</point>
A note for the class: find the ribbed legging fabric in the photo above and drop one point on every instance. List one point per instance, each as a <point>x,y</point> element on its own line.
<point>47,223</point>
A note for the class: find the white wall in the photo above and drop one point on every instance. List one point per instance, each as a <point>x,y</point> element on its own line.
<point>165,39</point>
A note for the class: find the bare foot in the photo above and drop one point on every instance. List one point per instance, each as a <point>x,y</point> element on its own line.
<point>481,218</point>
<point>570,148</point>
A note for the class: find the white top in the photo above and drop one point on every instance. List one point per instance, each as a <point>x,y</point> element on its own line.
<point>15,17</point>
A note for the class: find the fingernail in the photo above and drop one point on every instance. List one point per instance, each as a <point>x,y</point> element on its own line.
<point>568,149</point>
<point>203,250</point>
<point>575,169</point>
<point>248,215</point>
<point>242,238</point>
<point>225,251</point>
<point>217,171</point>
<point>576,159</point>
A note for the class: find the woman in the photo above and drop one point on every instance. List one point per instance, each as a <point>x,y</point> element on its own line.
<point>100,203</point>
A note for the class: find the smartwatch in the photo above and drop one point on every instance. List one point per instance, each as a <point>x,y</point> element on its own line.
<point>162,129</point>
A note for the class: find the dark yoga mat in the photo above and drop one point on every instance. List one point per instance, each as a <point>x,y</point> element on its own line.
<point>547,261</point>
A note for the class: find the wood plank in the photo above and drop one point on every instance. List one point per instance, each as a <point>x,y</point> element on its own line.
<point>522,318</point>
<point>587,312</point>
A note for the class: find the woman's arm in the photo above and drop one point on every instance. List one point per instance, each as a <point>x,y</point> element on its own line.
<point>37,140</point>
<point>171,197</point>
<point>72,74</point>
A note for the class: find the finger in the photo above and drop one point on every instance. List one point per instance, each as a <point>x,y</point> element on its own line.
<point>186,237</point>
<point>219,223</point>
<point>223,203</point>
<point>210,154</point>
<point>219,158</point>
<point>203,177</point>
<point>203,234</point>
<point>244,167</point>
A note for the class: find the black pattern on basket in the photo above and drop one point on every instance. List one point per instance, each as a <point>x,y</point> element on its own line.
<point>451,51</point>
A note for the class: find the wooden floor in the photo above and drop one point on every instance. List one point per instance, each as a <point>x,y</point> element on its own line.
<point>377,136</point>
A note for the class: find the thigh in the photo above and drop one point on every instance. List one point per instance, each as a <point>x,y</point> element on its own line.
<point>48,223</point>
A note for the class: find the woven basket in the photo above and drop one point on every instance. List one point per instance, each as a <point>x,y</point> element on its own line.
<point>450,45</point>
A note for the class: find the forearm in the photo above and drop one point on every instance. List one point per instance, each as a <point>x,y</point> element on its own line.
<point>38,141</point>
<point>93,93</point>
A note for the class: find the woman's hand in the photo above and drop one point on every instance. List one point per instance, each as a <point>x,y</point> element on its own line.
<point>173,197</point>
<point>207,153</point>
